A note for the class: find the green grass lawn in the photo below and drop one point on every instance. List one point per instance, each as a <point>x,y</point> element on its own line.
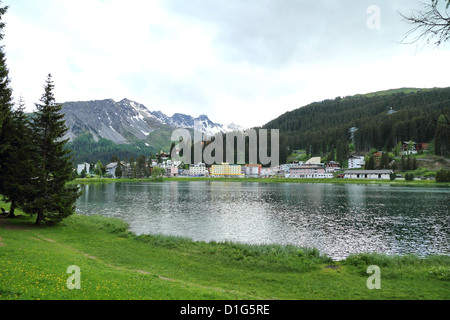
<point>118,265</point>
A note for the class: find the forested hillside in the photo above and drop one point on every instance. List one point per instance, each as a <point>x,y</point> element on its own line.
<point>85,149</point>
<point>382,120</point>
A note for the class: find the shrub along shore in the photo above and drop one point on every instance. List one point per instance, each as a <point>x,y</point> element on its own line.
<point>116,264</point>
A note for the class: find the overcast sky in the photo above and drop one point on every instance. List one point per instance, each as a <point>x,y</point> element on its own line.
<point>241,61</point>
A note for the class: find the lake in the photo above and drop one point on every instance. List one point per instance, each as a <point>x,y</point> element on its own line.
<point>338,220</point>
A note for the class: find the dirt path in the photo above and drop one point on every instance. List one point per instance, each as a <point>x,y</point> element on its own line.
<point>185,283</point>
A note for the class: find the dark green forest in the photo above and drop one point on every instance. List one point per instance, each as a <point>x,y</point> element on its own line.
<point>86,149</point>
<point>382,120</point>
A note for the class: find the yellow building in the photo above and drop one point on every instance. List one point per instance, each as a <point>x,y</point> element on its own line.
<point>226,170</point>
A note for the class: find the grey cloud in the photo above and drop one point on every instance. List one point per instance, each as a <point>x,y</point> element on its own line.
<point>275,33</point>
<point>182,93</point>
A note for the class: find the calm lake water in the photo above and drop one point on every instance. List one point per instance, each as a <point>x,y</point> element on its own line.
<point>336,219</point>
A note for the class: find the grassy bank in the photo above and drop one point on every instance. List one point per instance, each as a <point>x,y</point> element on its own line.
<point>421,183</point>
<point>116,264</point>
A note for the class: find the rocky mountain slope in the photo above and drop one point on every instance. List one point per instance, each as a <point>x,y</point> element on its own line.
<point>126,121</point>
<point>101,129</point>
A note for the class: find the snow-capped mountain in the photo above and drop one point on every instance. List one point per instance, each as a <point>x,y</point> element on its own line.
<point>208,127</point>
<point>126,121</point>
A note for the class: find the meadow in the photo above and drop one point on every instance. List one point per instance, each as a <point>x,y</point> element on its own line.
<point>115,264</point>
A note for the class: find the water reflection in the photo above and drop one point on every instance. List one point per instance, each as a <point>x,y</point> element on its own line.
<point>336,219</point>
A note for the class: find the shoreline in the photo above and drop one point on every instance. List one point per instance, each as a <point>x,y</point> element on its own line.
<point>415,183</point>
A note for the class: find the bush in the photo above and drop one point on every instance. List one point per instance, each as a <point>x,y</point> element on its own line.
<point>441,272</point>
<point>392,175</point>
<point>443,176</point>
<point>409,177</point>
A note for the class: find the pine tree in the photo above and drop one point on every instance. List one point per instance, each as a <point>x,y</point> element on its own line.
<point>118,173</point>
<point>52,199</point>
<point>370,165</point>
<point>6,103</point>
<point>384,162</point>
<point>443,175</point>
<point>141,169</point>
<point>99,168</point>
<point>442,136</point>
<point>392,176</point>
<point>408,164</point>
<point>16,174</point>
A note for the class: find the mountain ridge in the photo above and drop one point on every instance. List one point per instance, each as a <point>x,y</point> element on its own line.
<point>101,129</point>
<point>116,121</point>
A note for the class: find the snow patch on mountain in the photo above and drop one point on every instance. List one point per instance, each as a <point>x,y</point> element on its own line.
<point>118,121</point>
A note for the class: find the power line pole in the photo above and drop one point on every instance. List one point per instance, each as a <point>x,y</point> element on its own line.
<point>352,132</point>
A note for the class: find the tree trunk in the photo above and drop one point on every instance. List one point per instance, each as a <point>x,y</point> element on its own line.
<point>11,211</point>
<point>40,215</point>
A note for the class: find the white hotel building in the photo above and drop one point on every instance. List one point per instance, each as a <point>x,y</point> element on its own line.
<point>198,170</point>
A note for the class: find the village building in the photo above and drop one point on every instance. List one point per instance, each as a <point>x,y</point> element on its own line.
<point>252,170</point>
<point>314,161</point>
<point>309,171</point>
<point>267,172</point>
<point>368,174</point>
<point>356,162</point>
<point>411,147</point>
<point>111,169</point>
<point>377,155</point>
<point>84,166</point>
<point>226,170</point>
<point>285,168</point>
<point>171,171</point>
<point>332,166</point>
<point>198,170</point>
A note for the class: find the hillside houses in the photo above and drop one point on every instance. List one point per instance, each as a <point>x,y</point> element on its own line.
<point>411,147</point>
<point>356,162</point>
